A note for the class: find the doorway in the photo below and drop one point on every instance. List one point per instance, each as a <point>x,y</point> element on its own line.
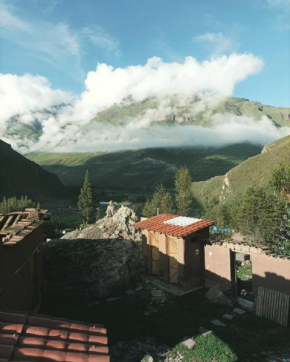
<point>172,245</point>
<point>155,263</point>
<point>242,275</point>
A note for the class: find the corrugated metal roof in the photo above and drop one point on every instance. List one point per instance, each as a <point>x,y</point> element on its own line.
<point>16,225</point>
<point>43,338</point>
<point>158,224</point>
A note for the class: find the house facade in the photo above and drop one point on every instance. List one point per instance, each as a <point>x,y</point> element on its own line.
<point>180,253</point>
<point>174,246</point>
<point>21,259</point>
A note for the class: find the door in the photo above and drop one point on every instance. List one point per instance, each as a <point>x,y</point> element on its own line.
<point>154,243</point>
<point>172,245</point>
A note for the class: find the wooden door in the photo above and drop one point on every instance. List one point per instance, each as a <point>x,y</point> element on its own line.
<point>154,243</point>
<point>172,245</point>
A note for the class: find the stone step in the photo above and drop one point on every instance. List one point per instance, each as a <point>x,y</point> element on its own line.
<point>218,323</point>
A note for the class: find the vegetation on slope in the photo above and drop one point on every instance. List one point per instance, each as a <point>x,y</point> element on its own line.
<point>253,198</point>
<point>122,113</point>
<point>256,171</point>
<point>143,169</point>
<point>170,111</point>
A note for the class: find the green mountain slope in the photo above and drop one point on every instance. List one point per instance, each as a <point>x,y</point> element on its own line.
<point>143,169</point>
<point>19,176</point>
<point>183,112</point>
<point>256,170</point>
<point>193,111</point>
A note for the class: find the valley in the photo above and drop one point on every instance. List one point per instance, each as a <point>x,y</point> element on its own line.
<point>143,170</point>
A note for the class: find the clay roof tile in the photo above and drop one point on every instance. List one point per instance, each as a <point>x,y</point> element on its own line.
<point>157,223</point>
<point>41,338</point>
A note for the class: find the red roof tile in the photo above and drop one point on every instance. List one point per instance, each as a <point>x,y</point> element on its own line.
<point>156,223</point>
<point>16,225</point>
<point>43,338</point>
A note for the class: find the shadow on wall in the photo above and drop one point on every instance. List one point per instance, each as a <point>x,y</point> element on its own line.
<point>271,281</point>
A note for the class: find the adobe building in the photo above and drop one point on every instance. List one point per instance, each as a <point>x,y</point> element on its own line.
<point>270,275</point>
<point>21,254</point>
<point>174,246</point>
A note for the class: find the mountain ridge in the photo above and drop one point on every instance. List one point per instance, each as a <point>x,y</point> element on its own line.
<point>255,171</point>
<point>170,111</point>
<point>22,177</point>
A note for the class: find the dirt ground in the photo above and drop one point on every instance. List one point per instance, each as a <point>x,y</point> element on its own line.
<point>141,325</point>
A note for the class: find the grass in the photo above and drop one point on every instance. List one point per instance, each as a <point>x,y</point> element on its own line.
<point>244,272</point>
<point>207,348</point>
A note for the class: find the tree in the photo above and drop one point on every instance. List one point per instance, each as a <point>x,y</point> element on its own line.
<point>87,199</point>
<point>222,214</point>
<point>280,181</point>
<point>183,197</point>
<point>258,215</point>
<point>13,204</point>
<point>161,199</point>
<point>283,239</point>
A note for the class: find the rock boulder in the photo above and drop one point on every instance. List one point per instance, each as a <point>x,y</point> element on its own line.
<point>120,225</point>
<point>100,268</point>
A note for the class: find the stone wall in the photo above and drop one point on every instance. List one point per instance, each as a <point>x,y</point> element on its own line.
<point>98,268</point>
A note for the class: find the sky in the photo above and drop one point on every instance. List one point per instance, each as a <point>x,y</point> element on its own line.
<point>91,54</point>
<point>63,40</point>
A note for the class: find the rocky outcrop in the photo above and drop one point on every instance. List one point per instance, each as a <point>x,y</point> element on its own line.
<point>100,267</point>
<point>121,225</point>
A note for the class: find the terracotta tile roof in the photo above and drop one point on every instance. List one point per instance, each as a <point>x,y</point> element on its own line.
<point>16,225</point>
<point>156,223</point>
<point>42,338</point>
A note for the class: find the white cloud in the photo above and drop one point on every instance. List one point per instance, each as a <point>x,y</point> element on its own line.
<point>69,127</point>
<point>227,129</point>
<point>53,42</point>
<point>106,85</point>
<point>100,38</point>
<point>25,95</point>
<point>12,22</point>
<point>217,43</point>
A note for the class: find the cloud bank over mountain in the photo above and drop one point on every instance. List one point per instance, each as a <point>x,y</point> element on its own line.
<point>66,123</point>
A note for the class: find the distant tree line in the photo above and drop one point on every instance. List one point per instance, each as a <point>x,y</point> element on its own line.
<point>261,214</point>
<point>166,203</point>
<point>14,204</point>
